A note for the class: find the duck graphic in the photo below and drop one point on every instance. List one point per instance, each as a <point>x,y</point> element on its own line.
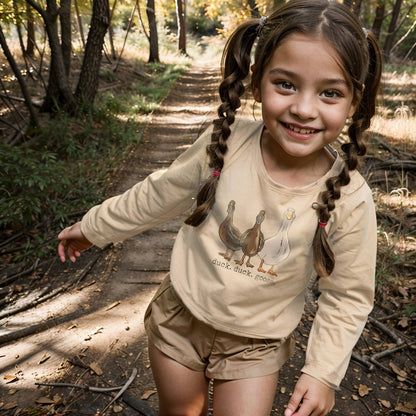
<point>276,248</point>
<point>230,235</point>
<point>252,240</point>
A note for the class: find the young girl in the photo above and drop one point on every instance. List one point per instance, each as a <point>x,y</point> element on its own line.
<point>273,202</point>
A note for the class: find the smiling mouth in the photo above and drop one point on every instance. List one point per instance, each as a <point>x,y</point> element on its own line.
<point>300,130</point>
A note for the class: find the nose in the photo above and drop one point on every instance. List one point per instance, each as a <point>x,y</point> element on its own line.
<point>304,106</point>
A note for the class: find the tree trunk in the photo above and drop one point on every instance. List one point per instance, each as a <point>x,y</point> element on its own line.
<point>31,37</point>
<point>153,38</point>
<point>66,33</point>
<point>378,19</point>
<point>88,80</point>
<point>18,24</point>
<point>111,32</point>
<point>392,31</point>
<point>34,122</point>
<point>254,8</point>
<point>58,92</point>
<point>79,23</point>
<point>181,17</point>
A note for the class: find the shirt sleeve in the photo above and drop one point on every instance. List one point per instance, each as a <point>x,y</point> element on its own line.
<point>160,197</point>
<point>347,296</point>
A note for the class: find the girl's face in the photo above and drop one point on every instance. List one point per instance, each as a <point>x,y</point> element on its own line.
<point>305,98</point>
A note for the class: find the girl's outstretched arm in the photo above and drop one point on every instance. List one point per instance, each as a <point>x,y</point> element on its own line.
<point>317,398</point>
<point>73,242</point>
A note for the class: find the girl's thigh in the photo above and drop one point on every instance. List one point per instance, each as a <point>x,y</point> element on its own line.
<point>181,391</point>
<point>245,397</point>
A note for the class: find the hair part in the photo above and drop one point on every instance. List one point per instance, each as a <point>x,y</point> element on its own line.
<point>361,61</point>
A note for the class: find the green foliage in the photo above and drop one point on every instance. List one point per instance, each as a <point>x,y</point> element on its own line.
<point>410,309</point>
<point>144,96</point>
<point>57,175</point>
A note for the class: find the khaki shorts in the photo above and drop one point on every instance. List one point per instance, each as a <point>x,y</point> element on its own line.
<point>198,346</point>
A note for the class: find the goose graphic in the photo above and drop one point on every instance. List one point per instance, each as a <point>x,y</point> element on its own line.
<point>277,248</point>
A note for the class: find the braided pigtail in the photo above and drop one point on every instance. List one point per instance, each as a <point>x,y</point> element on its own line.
<point>235,69</point>
<point>324,259</point>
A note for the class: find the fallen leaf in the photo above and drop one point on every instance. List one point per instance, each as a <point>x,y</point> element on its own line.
<point>403,291</point>
<point>363,390</point>
<point>96,368</point>
<point>385,403</point>
<point>147,394</point>
<point>44,400</point>
<point>398,370</point>
<point>117,409</point>
<point>283,390</point>
<point>113,305</point>
<point>355,397</point>
<point>10,379</point>
<point>404,322</point>
<point>44,358</point>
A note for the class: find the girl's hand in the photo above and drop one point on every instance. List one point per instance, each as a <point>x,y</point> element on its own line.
<point>316,397</point>
<point>72,241</point>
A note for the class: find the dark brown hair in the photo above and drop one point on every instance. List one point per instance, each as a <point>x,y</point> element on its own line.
<point>361,61</point>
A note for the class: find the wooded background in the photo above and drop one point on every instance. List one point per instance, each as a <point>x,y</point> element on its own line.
<point>55,135</point>
<point>83,25</point>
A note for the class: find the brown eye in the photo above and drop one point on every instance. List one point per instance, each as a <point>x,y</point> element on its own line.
<point>331,94</point>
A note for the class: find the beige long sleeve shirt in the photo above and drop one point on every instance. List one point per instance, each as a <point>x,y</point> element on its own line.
<point>246,268</point>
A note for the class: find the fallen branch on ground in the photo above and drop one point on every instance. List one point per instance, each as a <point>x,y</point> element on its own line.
<point>123,389</point>
<point>128,398</point>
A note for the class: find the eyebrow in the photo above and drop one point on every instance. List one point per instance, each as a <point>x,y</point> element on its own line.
<point>290,74</point>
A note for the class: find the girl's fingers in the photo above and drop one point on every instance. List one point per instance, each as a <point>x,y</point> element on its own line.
<point>61,250</point>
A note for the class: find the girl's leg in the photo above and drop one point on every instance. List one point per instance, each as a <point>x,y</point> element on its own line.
<point>245,397</point>
<point>181,391</point>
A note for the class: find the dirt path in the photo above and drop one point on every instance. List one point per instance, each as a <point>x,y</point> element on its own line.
<point>95,334</point>
<point>90,326</point>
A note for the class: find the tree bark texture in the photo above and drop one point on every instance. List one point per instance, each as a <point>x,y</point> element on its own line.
<point>79,23</point>
<point>181,17</point>
<point>66,33</point>
<point>392,29</point>
<point>153,38</point>
<point>88,80</point>
<point>31,37</point>
<point>378,19</point>
<point>111,32</point>
<point>58,93</point>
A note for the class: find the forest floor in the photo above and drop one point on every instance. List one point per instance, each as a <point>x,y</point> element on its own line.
<point>92,333</point>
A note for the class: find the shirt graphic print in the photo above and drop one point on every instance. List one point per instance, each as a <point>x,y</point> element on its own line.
<point>251,242</point>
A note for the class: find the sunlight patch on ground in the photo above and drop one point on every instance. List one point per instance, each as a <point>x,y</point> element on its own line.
<point>42,356</point>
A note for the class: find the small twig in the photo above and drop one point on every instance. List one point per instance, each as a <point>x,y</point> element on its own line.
<point>391,316</point>
<point>31,269</point>
<point>386,330</point>
<point>125,387</point>
<point>363,360</point>
<point>390,351</point>
<point>81,386</point>
<point>77,278</point>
